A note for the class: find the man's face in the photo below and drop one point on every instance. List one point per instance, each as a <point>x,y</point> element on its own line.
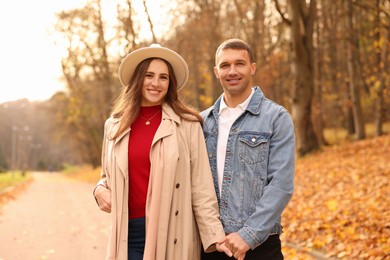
<point>234,71</point>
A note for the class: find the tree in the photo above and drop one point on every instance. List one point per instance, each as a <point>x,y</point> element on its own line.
<point>382,36</point>
<point>352,79</point>
<point>209,12</point>
<point>302,24</point>
<point>88,75</point>
<point>89,70</point>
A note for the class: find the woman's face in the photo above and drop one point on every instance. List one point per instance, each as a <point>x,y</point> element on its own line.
<point>156,83</point>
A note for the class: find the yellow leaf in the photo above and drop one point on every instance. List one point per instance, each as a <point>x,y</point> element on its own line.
<point>332,204</point>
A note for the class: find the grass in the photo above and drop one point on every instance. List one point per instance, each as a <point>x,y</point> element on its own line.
<point>12,178</point>
<point>79,173</point>
<point>340,135</point>
<point>83,173</point>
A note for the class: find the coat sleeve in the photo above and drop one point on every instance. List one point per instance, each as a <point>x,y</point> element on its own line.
<point>103,173</point>
<point>204,199</point>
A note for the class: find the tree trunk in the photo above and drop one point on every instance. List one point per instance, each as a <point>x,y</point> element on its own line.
<point>196,76</point>
<point>353,86</point>
<point>334,67</point>
<point>302,95</point>
<point>381,65</point>
<point>318,123</point>
<point>214,39</point>
<point>104,72</point>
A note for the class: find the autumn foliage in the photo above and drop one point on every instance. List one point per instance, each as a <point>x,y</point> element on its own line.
<point>341,205</point>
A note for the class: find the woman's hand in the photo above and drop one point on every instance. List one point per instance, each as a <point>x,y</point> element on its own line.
<point>236,245</point>
<point>103,198</point>
<point>221,247</point>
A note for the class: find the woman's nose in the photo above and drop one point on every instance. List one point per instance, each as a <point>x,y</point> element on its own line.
<point>155,81</point>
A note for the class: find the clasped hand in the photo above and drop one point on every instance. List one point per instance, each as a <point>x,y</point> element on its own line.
<point>233,245</point>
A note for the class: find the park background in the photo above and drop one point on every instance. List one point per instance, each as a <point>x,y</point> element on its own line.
<point>325,61</point>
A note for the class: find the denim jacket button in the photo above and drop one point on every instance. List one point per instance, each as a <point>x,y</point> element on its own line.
<point>253,139</point>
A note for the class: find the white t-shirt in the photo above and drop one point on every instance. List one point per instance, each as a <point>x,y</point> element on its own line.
<point>227,116</point>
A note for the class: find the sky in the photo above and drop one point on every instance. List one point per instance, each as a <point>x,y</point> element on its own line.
<point>30,62</point>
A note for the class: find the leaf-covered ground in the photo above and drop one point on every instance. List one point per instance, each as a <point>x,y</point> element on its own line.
<point>11,192</point>
<point>341,205</point>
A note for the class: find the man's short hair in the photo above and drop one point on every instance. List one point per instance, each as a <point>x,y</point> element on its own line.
<point>235,44</point>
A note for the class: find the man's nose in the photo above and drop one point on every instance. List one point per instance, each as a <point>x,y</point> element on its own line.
<point>232,69</point>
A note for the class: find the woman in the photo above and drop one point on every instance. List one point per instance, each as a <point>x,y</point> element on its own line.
<point>156,179</point>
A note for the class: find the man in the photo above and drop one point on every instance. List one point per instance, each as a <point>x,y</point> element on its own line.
<point>250,141</point>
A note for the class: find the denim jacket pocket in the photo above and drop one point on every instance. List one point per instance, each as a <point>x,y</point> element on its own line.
<point>253,146</point>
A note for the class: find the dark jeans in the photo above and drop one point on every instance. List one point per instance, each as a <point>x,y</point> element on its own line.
<point>271,249</point>
<point>136,238</point>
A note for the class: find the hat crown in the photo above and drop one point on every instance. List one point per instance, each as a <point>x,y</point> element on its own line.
<point>155,50</point>
<point>155,45</point>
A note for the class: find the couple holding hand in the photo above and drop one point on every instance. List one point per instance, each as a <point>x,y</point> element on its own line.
<point>183,185</point>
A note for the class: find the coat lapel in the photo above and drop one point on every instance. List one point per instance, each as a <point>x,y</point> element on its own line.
<point>169,118</point>
<point>121,152</point>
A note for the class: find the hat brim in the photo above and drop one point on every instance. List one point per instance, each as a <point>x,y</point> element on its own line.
<point>131,61</point>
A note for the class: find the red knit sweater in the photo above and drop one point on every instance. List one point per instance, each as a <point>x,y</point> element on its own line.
<point>140,141</point>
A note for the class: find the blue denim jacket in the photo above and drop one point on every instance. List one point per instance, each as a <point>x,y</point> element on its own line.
<point>259,169</point>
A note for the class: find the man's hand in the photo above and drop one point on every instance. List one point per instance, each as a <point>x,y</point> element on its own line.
<point>221,247</point>
<point>236,245</point>
<point>103,198</point>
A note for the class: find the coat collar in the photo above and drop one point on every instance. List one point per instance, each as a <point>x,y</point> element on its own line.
<point>168,122</point>
<point>166,128</point>
<point>169,114</point>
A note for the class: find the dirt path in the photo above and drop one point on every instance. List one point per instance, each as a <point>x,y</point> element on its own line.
<point>54,218</point>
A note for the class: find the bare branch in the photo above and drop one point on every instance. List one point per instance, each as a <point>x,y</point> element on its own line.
<point>242,15</point>
<point>150,21</point>
<point>283,15</point>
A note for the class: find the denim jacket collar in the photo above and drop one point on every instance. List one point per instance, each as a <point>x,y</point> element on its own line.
<point>253,106</point>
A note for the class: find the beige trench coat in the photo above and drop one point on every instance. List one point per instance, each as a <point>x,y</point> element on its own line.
<point>181,207</point>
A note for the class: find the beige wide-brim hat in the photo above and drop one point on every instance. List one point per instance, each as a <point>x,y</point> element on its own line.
<point>130,62</point>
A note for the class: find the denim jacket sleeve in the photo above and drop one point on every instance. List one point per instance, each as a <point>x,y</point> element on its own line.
<point>280,182</point>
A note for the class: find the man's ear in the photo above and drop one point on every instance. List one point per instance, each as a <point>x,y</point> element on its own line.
<point>216,72</point>
<point>253,68</point>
